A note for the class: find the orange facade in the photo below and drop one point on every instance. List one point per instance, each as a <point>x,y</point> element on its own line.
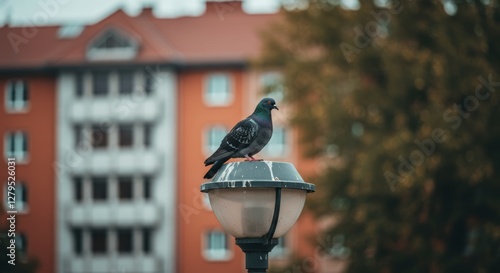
<point>37,221</point>
<point>194,217</point>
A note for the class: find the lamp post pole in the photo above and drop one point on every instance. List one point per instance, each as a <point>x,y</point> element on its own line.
<point>256,252</point>
<point>234,193</point>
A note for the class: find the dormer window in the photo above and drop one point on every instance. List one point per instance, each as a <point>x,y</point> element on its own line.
<point>112,45</point>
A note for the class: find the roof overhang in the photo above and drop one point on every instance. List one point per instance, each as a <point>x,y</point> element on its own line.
<point>179,65</point>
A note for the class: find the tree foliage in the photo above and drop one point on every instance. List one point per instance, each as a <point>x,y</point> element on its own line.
<point>401,102</point>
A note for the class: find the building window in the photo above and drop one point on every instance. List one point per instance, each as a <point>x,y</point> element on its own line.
<point>218,90</point>
<point>126,135</point>
<point>78,130</point>
<point>100,83</point>
<point>99,241</point>
<point>112,45</point>
<point>125,240</point>
<point>147,234</point>
<point>112,40</point>
<point>272,86</point>
<point>19,196</point>
<point>125,188</point>
<point>277,144</point>
<point>128,240</point>
<point>16,145</point>
<point>82,139</point>
<point>77,234</point>
<point>126,82</point>
<point>280,250</point>
<point>149,79</point>
<point>147,135</point>
<point>21,245</point>
<point>99,188</point>
<point>214,138</point>
<point>147,187</point>
<point>78,189</point>
<point>17,95</point>
<point>99,136</point>
<point>79,89</point>
<point>216,246</point>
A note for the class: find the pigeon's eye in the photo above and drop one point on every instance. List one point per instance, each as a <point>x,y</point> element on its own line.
<point>268,102</point>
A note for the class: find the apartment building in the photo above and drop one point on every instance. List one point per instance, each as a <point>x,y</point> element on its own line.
<point>116,127</point>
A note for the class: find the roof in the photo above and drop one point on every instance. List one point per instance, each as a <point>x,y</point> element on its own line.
<point>224,33</point>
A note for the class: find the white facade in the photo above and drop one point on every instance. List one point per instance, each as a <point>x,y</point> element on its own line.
<point>92,215</point>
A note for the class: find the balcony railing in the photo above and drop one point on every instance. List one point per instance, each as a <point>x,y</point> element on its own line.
<point>113,213</point>
<point>119,161</point>
<point>121,263</point>
<point>124,109</point>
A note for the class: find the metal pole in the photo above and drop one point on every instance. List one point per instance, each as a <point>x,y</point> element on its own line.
<point>256,252</point>
<point>276,214</point>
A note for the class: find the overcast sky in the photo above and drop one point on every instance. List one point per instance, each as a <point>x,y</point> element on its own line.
<point>50,12</point>
<point>63,12</point>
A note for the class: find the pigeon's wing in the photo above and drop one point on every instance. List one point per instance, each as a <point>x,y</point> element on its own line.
<point>242,134</point>
<point>240,137</point>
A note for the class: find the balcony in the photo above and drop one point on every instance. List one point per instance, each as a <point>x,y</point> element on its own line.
<point>118,161</point>
<point>124,109</point>
<point>113,213</point>
<point>122,263</point>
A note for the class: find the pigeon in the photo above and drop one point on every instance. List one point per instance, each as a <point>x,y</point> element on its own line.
<point>246,139</point>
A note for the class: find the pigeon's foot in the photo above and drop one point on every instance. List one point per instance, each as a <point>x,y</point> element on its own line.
<point>251,158</point>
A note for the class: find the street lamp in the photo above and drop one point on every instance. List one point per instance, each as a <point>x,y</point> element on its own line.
<point>257,202</point>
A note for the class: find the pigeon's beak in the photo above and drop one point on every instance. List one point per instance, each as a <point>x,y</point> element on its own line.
<point>275,107</point>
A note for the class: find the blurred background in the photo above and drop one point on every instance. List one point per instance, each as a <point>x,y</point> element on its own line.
<point>389,107</point>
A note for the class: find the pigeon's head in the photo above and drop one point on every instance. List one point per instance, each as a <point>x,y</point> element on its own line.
<point>268,103</point>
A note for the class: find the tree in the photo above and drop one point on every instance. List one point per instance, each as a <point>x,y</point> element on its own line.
<point>401,102</point>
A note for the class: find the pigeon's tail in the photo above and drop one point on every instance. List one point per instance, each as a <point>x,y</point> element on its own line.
<point>215,168</point>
